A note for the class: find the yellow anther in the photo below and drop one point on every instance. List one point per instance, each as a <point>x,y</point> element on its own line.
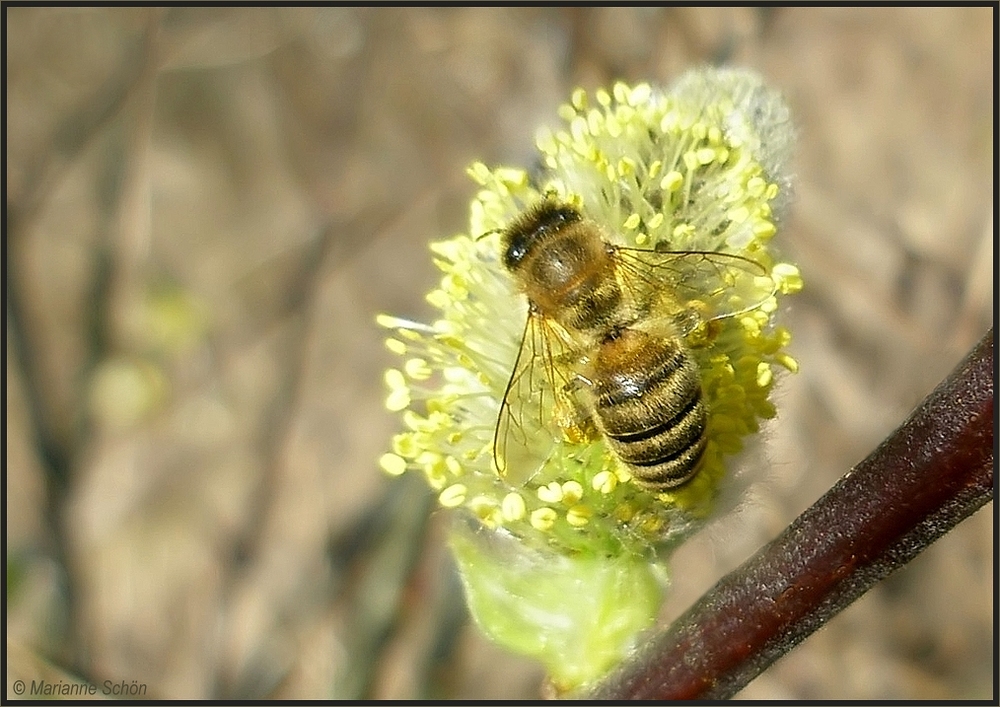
<point>551,492</point>
<point>392,464</point>
<point>513,507</point>
<point>672,181</point>
<point>543,518</point>
<point>604,482</point>
<point>578,516</point>
<point>572,492</point>
<point>453,496</point>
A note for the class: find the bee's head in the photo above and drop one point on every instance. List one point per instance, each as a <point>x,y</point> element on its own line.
<point>530,228</point>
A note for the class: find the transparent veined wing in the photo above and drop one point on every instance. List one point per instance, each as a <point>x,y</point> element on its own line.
<point>533,413</point>
<point>692,287</point>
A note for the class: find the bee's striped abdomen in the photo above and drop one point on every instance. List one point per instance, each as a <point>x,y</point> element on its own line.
<point>648,403</point>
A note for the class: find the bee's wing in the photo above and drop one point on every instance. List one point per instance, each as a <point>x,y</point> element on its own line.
<point>526,429</point>
<point>693,287</point>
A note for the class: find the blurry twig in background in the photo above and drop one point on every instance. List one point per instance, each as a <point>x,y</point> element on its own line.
<point>75,132</point>
<point>929,475</point>
<point>295,308</point>
<point>58,444</point>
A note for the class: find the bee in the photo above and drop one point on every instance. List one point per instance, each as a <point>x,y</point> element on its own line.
<point>606,340</point>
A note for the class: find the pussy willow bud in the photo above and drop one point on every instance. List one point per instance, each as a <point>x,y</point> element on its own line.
<point>563,556</point>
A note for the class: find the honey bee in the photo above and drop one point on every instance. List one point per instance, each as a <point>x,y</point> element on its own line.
<point>607,331</point>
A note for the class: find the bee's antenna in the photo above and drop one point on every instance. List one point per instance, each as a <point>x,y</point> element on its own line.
<point>487,233</point>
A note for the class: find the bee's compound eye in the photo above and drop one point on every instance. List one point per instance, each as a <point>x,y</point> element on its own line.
<point>562,215</point>
<point>533,227</point>
<point>516,250</point>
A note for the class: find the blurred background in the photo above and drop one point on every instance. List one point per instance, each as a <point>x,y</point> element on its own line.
<point>207,207</point>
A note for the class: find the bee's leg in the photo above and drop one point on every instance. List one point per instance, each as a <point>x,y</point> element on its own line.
<point>572,415</point>
<point>695,324</point>
<point>703,334</point>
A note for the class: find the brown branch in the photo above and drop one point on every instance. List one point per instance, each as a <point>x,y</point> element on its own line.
<point>931,473</point>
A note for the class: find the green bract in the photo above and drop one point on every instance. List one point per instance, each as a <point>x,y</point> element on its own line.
<point>699,168</point>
